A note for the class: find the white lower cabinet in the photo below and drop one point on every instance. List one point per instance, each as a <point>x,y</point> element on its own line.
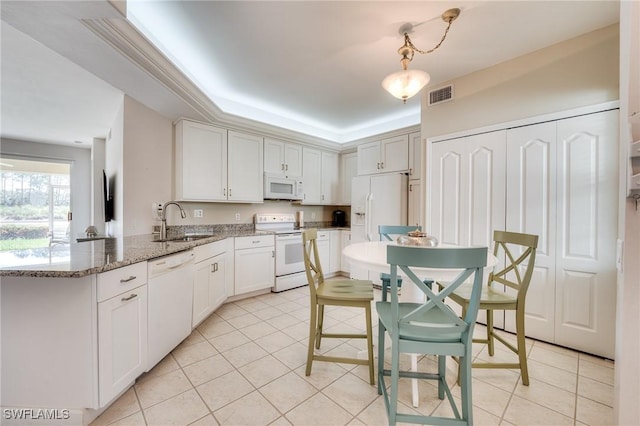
<point>335,252</point>
<point>209,287</point>
<point>122,341</point>
<point>254,259</point>
<point>122,328</point>
<point>345,240</point>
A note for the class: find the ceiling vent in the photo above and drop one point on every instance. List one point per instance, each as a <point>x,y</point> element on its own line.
<point>440,95</point>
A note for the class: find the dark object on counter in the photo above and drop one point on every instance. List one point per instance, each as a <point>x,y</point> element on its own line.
<point>339,218</point>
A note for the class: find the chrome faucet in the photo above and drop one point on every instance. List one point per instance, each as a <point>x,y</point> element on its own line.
<point>163,224</point>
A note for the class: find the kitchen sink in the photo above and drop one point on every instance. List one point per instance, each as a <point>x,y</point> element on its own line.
<point>184,238</point>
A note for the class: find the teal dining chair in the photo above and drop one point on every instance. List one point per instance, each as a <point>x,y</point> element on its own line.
<point>386,231</point>
<point>429,327</point>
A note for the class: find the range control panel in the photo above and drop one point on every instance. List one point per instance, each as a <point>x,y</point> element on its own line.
<point>275,218</point>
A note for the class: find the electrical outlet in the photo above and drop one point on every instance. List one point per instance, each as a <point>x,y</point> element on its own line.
<point>313,216</point>
<point>198,213</point>
<point>237,217</point>
<point>156,211</point>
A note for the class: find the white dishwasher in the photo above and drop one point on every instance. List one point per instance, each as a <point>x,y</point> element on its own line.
<point>170,284</point>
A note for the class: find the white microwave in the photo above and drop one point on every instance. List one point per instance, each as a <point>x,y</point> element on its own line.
<point>277,187</point>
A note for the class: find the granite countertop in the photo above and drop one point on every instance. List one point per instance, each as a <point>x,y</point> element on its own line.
<point>80,259</point>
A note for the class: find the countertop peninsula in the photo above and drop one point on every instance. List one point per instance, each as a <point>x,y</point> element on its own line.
<point>79,259</point>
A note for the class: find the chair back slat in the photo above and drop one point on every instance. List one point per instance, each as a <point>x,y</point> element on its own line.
<point>512,275</point>
<point>470,262</point>
<point>386,231</point>
<point>313,268</point>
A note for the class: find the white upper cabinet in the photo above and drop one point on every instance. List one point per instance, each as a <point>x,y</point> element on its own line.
<point>282,158</point>
<point>348,170</point>
<point>320,173</point>
<point>415,156</point>
<point>387,155</point>
<point>201,162</point>
<point>245,162</point>
<point>213,164</point>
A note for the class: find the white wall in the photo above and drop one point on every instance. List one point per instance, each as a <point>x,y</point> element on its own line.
<point>627,378</point>
<point>147,165</point>
<point>80,159</point>
<point>578,72</point>
<point>114,168</point>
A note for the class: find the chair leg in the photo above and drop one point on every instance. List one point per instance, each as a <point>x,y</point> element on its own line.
<point>312,337</point>
<point>414,382</point>
<point>395,378</point>
<point>367,310</point>
<point>490,331</point>
<point>522,349</point>
<point>442,374</point>
<point>381,338</point>
<point>320,321</point>
<point>465,388</point>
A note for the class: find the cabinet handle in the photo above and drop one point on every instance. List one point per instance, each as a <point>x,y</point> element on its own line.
<point>378,166</point>
<point>214,267</point>
<point>126,299</point>
<point>255,241</point>
<point>229,192</point>
<point>126,280</point>
<point>382,165</point>
<point>411,171</point>
<point>286,167</point>
<point>410,188</point>
<point>282,166</point>
<point>273,253</point>
<point>224,192</point>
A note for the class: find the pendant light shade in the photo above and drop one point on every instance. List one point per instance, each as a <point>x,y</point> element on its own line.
<point>405,84</point>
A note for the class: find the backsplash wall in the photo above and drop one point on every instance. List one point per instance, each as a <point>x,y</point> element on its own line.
<point>225,213</point>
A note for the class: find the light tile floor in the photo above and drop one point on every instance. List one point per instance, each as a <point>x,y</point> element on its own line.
<point>245,365</point>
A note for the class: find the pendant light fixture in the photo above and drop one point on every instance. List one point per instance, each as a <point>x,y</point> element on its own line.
<point>406,83</point>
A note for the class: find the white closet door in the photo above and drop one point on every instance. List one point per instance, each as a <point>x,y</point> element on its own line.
<point>586,221</point>
<point>484,201</point>
<point>531,209</point>
<point>445,207</point>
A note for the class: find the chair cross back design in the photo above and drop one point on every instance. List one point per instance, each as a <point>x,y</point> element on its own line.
<point>335,292</point>
<point>430,326</point>
<point>385,232</point>
<point>516,275</point>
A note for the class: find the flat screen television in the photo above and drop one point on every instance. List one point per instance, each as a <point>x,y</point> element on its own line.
<point>108,198</point>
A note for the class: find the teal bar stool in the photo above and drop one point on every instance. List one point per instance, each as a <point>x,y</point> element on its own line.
<point>429,327</point>
<point>386,231</point>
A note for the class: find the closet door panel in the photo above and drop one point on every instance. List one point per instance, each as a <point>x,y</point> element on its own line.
<point>485,196</point>
<point>587,229</point>
<point>531,209</point>
<point>447,181</point>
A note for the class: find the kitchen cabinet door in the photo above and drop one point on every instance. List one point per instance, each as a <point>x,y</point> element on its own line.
<point>201,162</point>
<point>255,264</point>
<point>312,175</point>
<point>330,177</point>
<point>415,156</point>
<point>209,291</point>
<point>335,251</point>
<point>122,342</point>
<point>345,240</point>
<point>415,206</point>
<point>282,158</point>
<point>348,170</point>
<point>369,158</point>
<point>387,155</point>
<point>394,155</point>
<point>245,163</point>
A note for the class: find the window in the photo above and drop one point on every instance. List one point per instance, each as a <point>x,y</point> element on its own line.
<point>34,203</point>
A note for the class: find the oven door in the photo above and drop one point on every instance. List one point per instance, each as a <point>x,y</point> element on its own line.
<point>289,254</point>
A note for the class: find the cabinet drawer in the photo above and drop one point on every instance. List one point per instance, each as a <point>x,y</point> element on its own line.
<point>209,250</point>
<point>119,280</point>
<point>254,241</point>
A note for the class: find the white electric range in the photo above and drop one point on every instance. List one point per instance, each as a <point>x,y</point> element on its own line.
<point>289,266</point>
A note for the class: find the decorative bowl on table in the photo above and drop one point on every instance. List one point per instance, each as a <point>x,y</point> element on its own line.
<point>417,238</point>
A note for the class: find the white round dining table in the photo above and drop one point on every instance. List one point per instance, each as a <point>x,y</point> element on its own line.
<point>372,256</point>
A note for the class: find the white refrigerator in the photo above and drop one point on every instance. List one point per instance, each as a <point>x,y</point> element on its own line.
<point>376,200</point>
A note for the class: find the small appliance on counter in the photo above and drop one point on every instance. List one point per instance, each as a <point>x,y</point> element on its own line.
<point>339,218</point>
